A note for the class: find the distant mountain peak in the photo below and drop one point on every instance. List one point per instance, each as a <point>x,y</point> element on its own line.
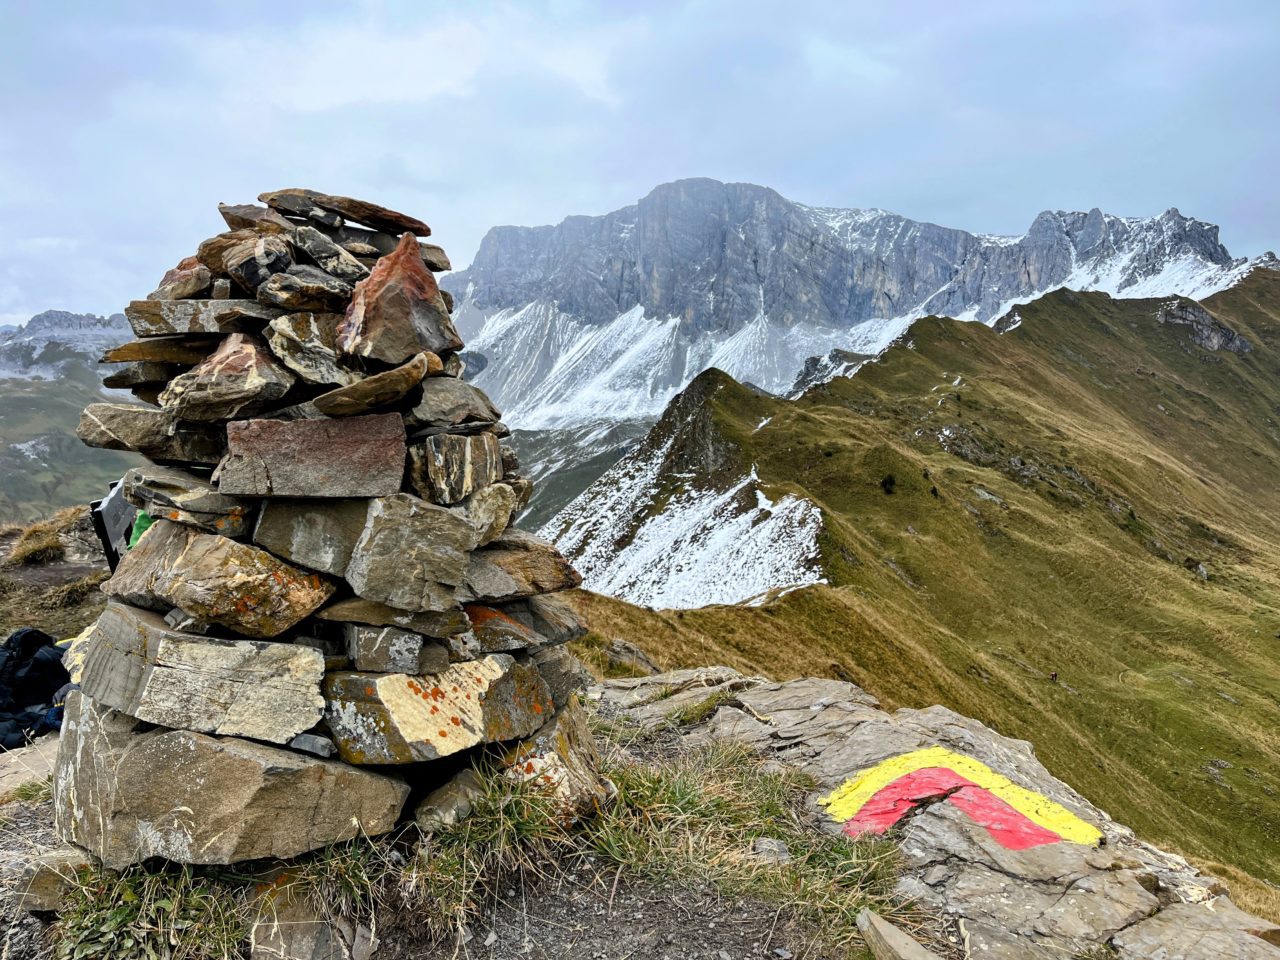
<point>607,317</point>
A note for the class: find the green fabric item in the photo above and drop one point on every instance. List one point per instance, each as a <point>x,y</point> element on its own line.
<point>140,524</point>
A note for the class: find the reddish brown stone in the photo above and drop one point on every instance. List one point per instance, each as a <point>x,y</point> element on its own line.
<point>361,211</point>
<point>397,311</point>
<point>189,278</point>
<point>353,457</point>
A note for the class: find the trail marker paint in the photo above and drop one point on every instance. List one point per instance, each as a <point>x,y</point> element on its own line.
<point>1017,818</point>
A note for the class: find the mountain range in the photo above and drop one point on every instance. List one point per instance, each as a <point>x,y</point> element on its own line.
<point>48,373</point>
<point>598,322</point>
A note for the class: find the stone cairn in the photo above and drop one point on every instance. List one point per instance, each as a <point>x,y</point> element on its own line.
<point>330,616</point>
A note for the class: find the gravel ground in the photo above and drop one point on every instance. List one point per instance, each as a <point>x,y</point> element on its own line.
<point>603,915</point>
<point>24,828</point>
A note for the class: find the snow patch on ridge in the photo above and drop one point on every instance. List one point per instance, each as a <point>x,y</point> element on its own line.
<point>704,547</point>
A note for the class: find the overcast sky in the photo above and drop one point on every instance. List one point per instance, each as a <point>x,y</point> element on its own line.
<point>123,124</point>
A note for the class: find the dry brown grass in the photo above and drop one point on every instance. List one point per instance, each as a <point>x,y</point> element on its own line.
<point>40,542</point>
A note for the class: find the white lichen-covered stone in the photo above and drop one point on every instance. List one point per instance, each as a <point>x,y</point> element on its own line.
<point>247,688</point>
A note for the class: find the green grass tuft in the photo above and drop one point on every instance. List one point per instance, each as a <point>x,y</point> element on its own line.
<point>33,791</point>
<point>168,913</point>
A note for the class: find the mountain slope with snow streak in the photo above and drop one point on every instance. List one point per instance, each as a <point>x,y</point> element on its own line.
<point>682,521</point>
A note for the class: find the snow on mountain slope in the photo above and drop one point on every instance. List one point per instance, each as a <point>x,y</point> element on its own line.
<point>681,521</point>
<point>607,318</point>
<point>705,546</point>
<point>51,340</point>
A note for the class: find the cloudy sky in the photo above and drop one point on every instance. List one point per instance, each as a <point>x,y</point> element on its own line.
<point>124,124</point>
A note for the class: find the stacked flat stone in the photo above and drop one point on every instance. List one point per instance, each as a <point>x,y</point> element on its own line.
<point>331,597</point>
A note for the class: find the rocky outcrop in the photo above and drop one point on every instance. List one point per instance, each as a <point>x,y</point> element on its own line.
<point>1206,330</point>
<point>1025,867</point>
<point>735,276</point>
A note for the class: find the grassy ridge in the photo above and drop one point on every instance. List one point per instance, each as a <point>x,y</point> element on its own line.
<point>1054,492</point>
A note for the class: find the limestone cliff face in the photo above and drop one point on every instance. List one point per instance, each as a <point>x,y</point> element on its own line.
<point>635,303</point>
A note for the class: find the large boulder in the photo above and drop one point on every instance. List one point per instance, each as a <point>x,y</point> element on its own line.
<point>151,318</point>
<point>352,457</point>
<point>307,344</point>
<point>397,311</point>
<point>154,433</point>
<point>246,688</point>
<point>126,793</point>
<point>516,565</point>
<point>451,405</point>
<point>252,261</point>
<point>316,535</point>
<point>239,379</point>
<point>394,718</point>
<point>169,493</point>
<point>446,468</point>
<point>412,554</point>
<point>216,580</point>
<point>304,287</point>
